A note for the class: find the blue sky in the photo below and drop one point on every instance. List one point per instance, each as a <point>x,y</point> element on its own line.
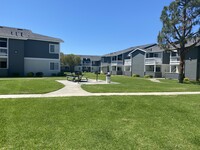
<point>92,27</point>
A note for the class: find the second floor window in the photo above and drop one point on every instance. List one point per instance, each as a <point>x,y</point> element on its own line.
<point>54,48</point>
<point>3,42</point>
<point>153,55</point>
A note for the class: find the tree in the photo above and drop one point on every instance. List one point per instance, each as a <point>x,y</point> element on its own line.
<point>181,29</point>
<point>70,60</point>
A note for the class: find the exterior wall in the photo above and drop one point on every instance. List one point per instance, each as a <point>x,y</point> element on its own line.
<point>138,63</point>
<point>154,74</point>
<point>16,57</point>
<point>171,75</point>
<point>116,72</point>
<point>95,69</point>
<point>39,49</point>
<point>127,73</point>
<point>191,63</point>
<point>3,72</point>
<point>164,69</point>
<point>40,65</point>
<point>166,57</point>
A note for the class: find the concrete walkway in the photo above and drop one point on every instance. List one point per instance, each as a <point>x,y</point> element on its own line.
<point>74,89</point>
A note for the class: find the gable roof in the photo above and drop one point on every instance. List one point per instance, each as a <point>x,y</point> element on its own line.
<point>24,34</point>
<point>128,50</point>
<point>151,49</point>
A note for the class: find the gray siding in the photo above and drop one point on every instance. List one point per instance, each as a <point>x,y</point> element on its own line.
<point>169,75</point>
<point>166,57</point>
<point>3,72</point>
<point>191,64</point>
<point>16,57</point>
<point>138,63</point>
<point>127,73</point>
<point>39,49</point>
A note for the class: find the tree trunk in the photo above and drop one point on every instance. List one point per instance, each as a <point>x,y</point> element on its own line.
<point>181,69</point>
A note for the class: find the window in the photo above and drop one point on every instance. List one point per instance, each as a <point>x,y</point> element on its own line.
<point>54,66</point>
<point>173,54</point>
<point>54,48</point>
<point>3,42</point>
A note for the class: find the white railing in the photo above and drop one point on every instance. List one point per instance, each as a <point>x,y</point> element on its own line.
<point>127,62</point>
<point>105,64</point>
<point>117,63</point>
<point>174,60</point>
<point>153,61</point>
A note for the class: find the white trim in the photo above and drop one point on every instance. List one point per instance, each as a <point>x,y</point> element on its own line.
<point>54,66</point>
<point>56,48</point>
<point>137,49</point>
<point>32,58</point>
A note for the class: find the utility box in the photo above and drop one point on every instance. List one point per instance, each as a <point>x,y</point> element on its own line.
<point>108,77</point>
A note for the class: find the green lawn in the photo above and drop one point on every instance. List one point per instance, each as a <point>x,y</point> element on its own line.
<point>131,84</point>
<point>28,86</point>
<point>117,122</point>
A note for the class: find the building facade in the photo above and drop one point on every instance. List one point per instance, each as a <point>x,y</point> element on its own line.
<point>89,63</point>
<point>22,51</point>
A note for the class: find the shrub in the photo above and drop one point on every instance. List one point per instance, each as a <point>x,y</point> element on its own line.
<point>30,74</point>
<point>60,74</point>
<point>39,74</point>
<point>186,79</point>
<point>148,76</point>
<point>135,75</point>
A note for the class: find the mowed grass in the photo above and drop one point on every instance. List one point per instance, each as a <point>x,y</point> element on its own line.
<point>28,86</point>
<point>117,122</point>
<point>131,84</point>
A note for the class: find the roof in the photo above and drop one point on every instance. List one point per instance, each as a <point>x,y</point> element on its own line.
<point>151,49</point>
<point>129,50</point>
<point>92,57</point>
<point>24,34</point>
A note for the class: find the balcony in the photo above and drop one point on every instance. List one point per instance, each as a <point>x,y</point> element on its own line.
<point>127,62</point>
<point>105,64</point>
<point>117,63</point>
<point>174,60</point>
<point>86,64</point>
<point>153,61</point>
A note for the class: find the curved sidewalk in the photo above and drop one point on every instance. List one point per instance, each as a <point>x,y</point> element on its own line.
<point>74,89</point>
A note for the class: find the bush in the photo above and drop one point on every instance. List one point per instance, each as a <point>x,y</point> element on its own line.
<point>15,74</point>
<point>60,74</point>
<point>39,74</point>
<point>135,75</point>
<point>148,76</point>
<point>30,74</point>
<point>186,79</point>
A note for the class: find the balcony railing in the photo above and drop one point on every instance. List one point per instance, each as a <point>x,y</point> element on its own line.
<point>117,63</point>
<point>86,64</point>
<point>104,64</point>
<point>174,60</point>
<point>127,62</point>
<point>153,61</point>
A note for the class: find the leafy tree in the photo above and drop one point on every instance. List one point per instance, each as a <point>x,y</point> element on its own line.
<point>181,29</point>
<point>70,60</point>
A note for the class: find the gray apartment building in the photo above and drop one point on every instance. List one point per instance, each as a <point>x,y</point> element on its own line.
<point>22,51</point>
<point>151,60</point>
<point>89,63</point>
<point>119,62</point>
